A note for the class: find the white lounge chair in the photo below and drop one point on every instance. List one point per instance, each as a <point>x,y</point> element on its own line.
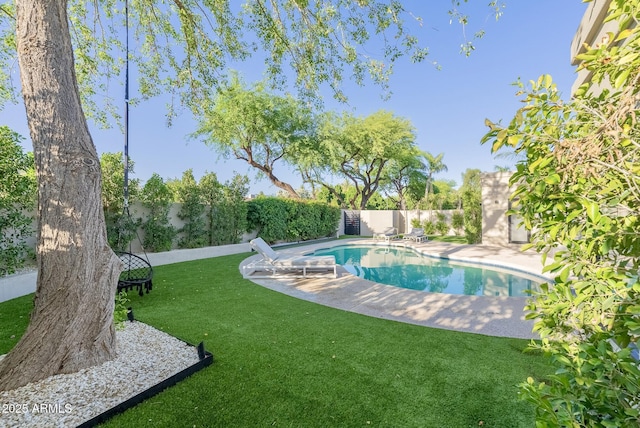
<point>388,234</point>
<point>273,264</point>
<point>416,234</point>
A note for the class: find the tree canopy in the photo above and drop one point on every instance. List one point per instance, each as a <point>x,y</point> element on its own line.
<point>401,177</point>
<point>363,150</point>
<point>185,48</point>
<point>257,127</point>
<point>434,165</point>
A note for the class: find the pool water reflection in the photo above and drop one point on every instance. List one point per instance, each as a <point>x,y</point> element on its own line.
<point>406,268</point>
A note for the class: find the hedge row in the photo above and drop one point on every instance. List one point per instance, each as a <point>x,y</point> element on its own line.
<point>277,219</point>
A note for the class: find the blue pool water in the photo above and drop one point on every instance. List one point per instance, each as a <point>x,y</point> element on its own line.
<point>403,267</point>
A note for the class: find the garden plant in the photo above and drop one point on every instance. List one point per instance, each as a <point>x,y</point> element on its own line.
<point>578,191</point>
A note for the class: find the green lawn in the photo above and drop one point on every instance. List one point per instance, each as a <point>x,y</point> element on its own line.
<point>281,361</point>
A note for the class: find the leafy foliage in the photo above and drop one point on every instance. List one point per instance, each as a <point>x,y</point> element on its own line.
<point>429,227</point>
<point>434,165</point>
<point>457,221</point>
<point>471,195</point>
<point>226,209</point>
<point>17,197</point>
<point>187,192</point>
<point>121,227</point>
<point>441,226</point>
<point>257,127</point>
<point>277,219</point>
<point>401,176</point>
<point>444,196</point>
<point>158,232</point>
<point>578,193</point>
<point>364,150</point>
<point>184,49</point>
<point>121,310</point>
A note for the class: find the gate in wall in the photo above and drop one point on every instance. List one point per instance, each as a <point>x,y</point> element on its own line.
<point>351,222</point>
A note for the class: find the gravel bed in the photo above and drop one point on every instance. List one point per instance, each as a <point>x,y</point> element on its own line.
<point>146,356</point>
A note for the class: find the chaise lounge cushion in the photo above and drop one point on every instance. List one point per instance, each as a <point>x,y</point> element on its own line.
<point>417,233</point>
<point>276,259</point>
<point>388,234</point>
<point>308,261</point>
<point>263,248</point>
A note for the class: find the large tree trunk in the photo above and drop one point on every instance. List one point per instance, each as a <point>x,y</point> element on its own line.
<point>269,173</point>
<point>71,325</point>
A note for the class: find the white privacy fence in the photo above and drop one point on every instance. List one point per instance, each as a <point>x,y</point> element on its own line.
<point>373,221</point>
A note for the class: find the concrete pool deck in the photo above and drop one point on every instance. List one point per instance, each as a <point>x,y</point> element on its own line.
<point>489,315</point>
<point>495,316</point>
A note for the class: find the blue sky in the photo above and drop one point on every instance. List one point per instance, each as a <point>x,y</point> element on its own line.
<point>447,106</point>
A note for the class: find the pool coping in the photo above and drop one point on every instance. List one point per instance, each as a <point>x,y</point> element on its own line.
<point>488,315</point>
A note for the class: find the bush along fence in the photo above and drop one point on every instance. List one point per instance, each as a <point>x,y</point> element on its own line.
<point>155,226</point>
<point>230,220</point>
<point>277,219</point>
<point>17,199</point>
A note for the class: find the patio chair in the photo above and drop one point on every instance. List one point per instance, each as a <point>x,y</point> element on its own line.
<point>388,234</point>
<point>274,264</point>
<point>416,234</point>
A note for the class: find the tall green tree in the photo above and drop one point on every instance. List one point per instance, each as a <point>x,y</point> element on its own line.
<point>449,197</point>
<point>401,175</point>
<point>578,192</point>
<point>121,227</point>
<point>226,209</point>
<point>212,196</point>
<point>257,127</point>
<point>17,199</point>
<point>192,209</point>
<point>156,196</point>
<point>235,192</point>
<point>471,195</point>
<point>434,165</point>
<point>363,150</point>
<point>66,48</point>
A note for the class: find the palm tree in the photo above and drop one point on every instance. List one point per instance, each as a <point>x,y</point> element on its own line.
<point>434,165</point>
<point>511,156</point>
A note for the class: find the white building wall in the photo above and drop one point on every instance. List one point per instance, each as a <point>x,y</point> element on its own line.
<point>591,31</point>
<point>377,221</point>
<point>495,203</point>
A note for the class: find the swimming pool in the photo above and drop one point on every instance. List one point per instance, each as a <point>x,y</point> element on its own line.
<point>406,268</point>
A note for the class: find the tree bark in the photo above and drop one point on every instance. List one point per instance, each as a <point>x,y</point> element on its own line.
<point>269,173</point>
<point>71,325</point>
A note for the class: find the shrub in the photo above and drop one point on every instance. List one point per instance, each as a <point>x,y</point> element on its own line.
<point>442,227</point>
<point>268,217</point>
<point>277,219</point>
<point>121,228</point>
<point>471,203</point>
<point>187,192</point>
<point>158,232</point>
<point>17,197</point>
<point>226,209</point>
<point>578,192</point>
<point>457,222</point>
<point>429,227</point>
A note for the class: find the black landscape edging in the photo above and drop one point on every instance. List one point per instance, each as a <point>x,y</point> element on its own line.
<point>154,390</point>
